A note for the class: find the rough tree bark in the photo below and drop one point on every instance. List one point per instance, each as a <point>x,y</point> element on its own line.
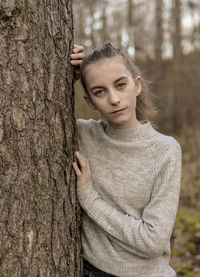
<point>39,214</point>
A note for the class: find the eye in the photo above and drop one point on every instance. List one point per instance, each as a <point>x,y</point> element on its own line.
<point>98,92</point>
<point>121,85</point>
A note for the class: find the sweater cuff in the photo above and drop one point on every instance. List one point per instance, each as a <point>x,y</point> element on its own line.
<point>86,194</point>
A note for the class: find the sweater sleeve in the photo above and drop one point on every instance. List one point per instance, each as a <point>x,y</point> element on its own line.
<point>150,234</point>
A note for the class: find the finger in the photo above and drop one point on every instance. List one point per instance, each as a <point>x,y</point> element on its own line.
<point>77,170</point>
<point>82,160</point>
<point>76,62</point>
<point>77,56</point>
<point>78,48</point>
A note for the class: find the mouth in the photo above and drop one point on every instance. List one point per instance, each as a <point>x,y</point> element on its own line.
<point>118,111</point>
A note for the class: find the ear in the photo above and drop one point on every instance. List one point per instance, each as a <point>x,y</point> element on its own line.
<point>138,85</point>
<point>89,102</point>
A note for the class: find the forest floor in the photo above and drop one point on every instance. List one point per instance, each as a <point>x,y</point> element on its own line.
<point>186,243</point>
<point>186,236</point>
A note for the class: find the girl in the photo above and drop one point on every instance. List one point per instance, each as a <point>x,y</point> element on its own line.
<point>128,181</point>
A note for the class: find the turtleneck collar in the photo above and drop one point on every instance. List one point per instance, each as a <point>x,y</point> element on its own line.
<point>138,133</point>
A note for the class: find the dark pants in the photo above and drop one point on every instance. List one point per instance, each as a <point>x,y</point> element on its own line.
<point>91,271</point>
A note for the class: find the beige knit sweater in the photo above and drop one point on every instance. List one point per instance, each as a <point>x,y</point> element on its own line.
<point>131,203</point>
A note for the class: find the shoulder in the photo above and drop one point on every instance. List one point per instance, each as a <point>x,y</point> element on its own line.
<point>89,127</point>
<point>166,155</point>
<point>83,123</point>
<point>166,145</point>
<point>89,134</point>
<point>88,124</point>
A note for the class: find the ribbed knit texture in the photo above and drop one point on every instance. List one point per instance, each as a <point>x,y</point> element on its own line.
<point>131,203</point>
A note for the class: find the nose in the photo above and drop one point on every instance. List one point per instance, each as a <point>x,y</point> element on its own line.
<point>114,98</point>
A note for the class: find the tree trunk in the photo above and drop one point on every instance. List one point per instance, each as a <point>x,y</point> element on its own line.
<point>104,30</point>
<point>159,43</point>
<point>130,25</point>
<point>40,217</point>
<point>158,68</point>
<point>138,22</point>
<point>177,52</point>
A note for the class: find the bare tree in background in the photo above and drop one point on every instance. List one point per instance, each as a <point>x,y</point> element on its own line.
<point>130,26</point>
<point>104,30</point>
<point>138,25</point>
<point>177,54</point>
<point>39,219</point>
<point>92,6</point>
<point>79,17</point>
<point>159,44</point>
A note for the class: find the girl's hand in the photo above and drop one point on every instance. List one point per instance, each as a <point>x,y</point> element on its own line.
<point>83,173</point>
<point>77,58</point>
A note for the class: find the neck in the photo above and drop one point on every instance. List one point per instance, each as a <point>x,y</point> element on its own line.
<point>138,133</point>
<point>133,125</point>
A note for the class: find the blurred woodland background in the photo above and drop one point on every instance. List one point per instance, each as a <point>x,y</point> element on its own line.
<point>163,38</point>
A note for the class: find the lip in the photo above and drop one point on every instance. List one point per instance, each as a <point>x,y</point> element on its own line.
<point>118,111</point>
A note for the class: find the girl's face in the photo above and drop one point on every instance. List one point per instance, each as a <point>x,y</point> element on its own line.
<point>112,90</point>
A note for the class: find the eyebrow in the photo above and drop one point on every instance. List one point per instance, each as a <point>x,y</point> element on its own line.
<point>119,79</point>
<point>123,77</point>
